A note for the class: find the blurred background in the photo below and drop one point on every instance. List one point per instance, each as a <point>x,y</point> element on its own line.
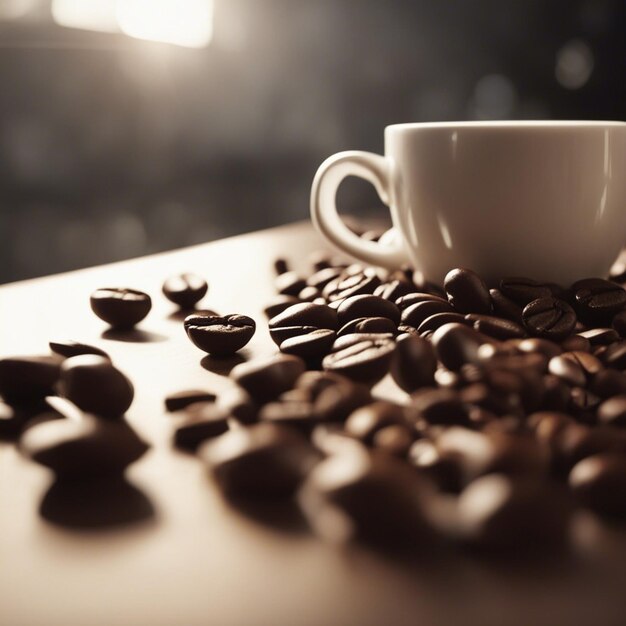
<point>133,126</point>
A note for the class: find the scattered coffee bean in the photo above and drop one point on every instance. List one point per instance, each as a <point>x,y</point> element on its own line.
<point>120,308</point>
<point>413,364</point>
<point>368,325</point>
<point>440,406</point>
<point>524,290</point>
<point>568,370</point>
<point>201,421</point>
<point>416,313</point>
<point>306,314</point>
<point>608,383</point>
<point>289,284</point>
<point>309,294</point>
<point>367,306</point>
<point>298,413</point>
<point>279,304</point>
<point>598,300</point>
<point>432,323</point>
<point>505,307</point>
<point>239,405</point>
<point>335,402</point>
<point>588,363</point>
<point>185,290</point>
<point>549,318</point>
<point>74,348</point>
<point>349,284</point>
<point>367,420</point>
<point>467,292</point>
<point>95,385</point>
<point>395,439</point>
<point>496,327</point>
<point>28,379</point>
<point>321,278</point>
<point>182,399</point>
<point>394,289</point>
<point>600,336</point>
<point>281,266</point>
<point>543,346</point>
<point>612,412</point>
<point>366,361</point>
<point>404,302</point>
<point>619,323</point>
<point>310,345</point>
<point>219,335</point>
<point>576,343</point>
<point>615,355</point>
<point>456,345</point>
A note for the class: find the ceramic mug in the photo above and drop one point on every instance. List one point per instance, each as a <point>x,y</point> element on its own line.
<point>546,200</point>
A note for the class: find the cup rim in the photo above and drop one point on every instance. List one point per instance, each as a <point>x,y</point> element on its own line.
<point>509,124</point>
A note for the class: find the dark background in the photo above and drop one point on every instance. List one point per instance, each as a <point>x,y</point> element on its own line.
<point>111,147</point>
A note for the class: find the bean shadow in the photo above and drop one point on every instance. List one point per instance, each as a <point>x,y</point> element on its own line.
<point>95,504</point>
<point>133,335</point>
<point>222,365</point>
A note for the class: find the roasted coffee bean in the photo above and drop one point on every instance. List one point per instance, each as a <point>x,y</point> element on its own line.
<point>298,414</point>
<point>547,427</point>
<point>619,323</point>
<point>367,306</point>
<point>543,346</point>
<point>368,325</point>
<point>568,370</point>
<point>505,511</point>
<point>266,379</point>
<point>589,363</point>
<point>372,497</point>
<point>576,343</point>
<point>413,364</point>
<point>15,419</point>
<point>599,483</point>
<point>94,385</point>
<point>346,341</point>
<point>367,420</point>
<point>467,291</point>
<point>279,304</point>
<point>289,284</point>
<point>309,294</point>
<point>394,289</point>
<point>524,290</point>
<point>583,403</point>
<point>322,277</point>
<point>312,383</point>
<point>203,420</point>
<point>282,333</point>
<point>436,321</point>
<point>404,331</point>
<point>28,379</point>
<point>83,448</point>
<point>74,348</point>
<point>505,307</point>
<point>443,471</point>
<point>264,460</point>
<point>182,399</point>
<point>555,393</point>
<point>348,284</point>
<point>311,345</point>
<point>395,440</point>
<point>608,383</point>
<point>495,401</point>
<point>239,405</point>
<point>404,302</point>
<point>549,318</point>
<point>615,355</point>
<point>496,327</point>
<point>334,403</point>
<point>219,335</point>
<point>598,300</point>
<point>415,314</point>
<point>306,314</point>
<point>600,336</point>
<point>456,345</point>
<point>281,266</point>
<point>120,308</point>
<point>185,290</point>
<point>440,406</point>
<point>366,361</point>
<point>612,412</point>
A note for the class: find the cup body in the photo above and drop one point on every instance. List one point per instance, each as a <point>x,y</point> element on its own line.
<point>545,200</point>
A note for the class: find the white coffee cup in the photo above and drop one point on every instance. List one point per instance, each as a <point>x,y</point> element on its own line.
<point>546,200</point>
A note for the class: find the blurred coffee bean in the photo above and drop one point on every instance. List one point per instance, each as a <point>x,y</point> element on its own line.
<point>94,385</point>
<point>28,379</point>
<point>505,307</point>
<point>524,290</point>
<point>404,302</point>
<point>306,314</point>
<point>416,313</point>
<point>413,364</point>
<point>185,290</point>
<point>568,370</point>
<point>456,345</point>
<point>334,403</point>
<point>261,461</point>
<point>201,421</point>
<point>366,361</point>
<point>351,284</point>
<point>612,412</point>
<point>219,335</point>
<point>608,383</point>
<point>467,291</point>
<point>238,404</point>
<point>615,355</point>
<point>440,406</point>
<point>549,318</point>
<point>542,346</point>
<point>597,300</point>
<point>309,294</point>
<point>432,323</point>
<point>582,404</point>
<point>496,327</point>
<point>588,363</point>
<point>83,448</point>
<point>443,471</point>
<point>576,343</point>
<point>619,323</point>
<point>282,333</point>
<point>298,414</point>
<point>312,383</point>
<point>368,325</point>
<point>266,379</point>
<point>311,345</point>
<point>395,439</point>
<point>394,289</point>
<point>367,306</point>
<point>281,266</point>
<point>599,483</point>
<point>289,284</point>
<point>321,278</point>
<point>16,419</point>
<point>555,394</point>
<point>279,304</point>
<point>70,348</point>
<point>366,421</point>
<point>120,308</point>
<point>181,399</point>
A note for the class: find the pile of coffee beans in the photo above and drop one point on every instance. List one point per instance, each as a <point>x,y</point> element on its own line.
<point>509,419</point>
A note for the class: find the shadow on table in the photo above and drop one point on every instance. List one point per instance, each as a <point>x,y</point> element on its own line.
<point>134,335</point>
<point>95,504</point>
<point>222,365</point>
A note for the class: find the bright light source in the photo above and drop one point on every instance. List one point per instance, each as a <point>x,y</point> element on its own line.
<point>182,22</point>
<point>97,15</point>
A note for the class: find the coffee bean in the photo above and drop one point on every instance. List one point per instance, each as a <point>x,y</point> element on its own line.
<point>436,321</point>
<point>613,411</point>
<point>615,355</point>
<point>279,304</point>
<point>556,393</point>
<point>599,482</point>
<point>467,291</point>
<point>346,285</point>
<point>15,419</point>
<point>504,511</point>
<point>368,325</point>
<point>70,348</point>
<point>83,448</point>
<point>219,335</point>
<point>549,318</point>
<point>496,327</point>
<point>589,363</point>
<point>425,286</point>
<point>94,385</point>
<point>600,336</point>
<point>306,314</point>
<point>505,307</point>
<point>413,364</point>
<point>404,331</point>
<point>608,383</point>
<point>281,266</point>
<point>120,308</point>
<point>311,345</point>
<point>264,460</point>
<point>239,405</point>
<point>440,406</point>
<point>443,471</point>
<point>404,302</point>
<point>568,370</point>
<point>346,341</point>
<point>576,343</point>
<point>312,383</point>
<point>583,403</point>
<point>543,346</point>
<point>456,345</point>
<point>298,414</point>
<point>28,379</point>
<point>289,284</point>
<point>367,420</point>
<point>282,333</point>
<point>366,361</point>
<point>395,439</point>
<point>201,421</point>
<point>266,379</point>
<point>322,277</point>
<point>597,300</point>
<point>335,402</point>
<point>185,289</point>
<point>524,290</point>
<point>619,323</point>
<point>415,314</point>
<point>309,294</point>
<point>182,399</point>
<point>394,289</point>
<point>367,306</point>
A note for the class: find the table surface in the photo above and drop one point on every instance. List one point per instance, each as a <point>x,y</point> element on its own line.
<point>197,559</point>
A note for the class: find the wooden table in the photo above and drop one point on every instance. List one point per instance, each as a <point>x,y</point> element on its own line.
<point>198,560</point>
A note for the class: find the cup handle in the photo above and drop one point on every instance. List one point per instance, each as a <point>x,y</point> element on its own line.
<point>377,170</point>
